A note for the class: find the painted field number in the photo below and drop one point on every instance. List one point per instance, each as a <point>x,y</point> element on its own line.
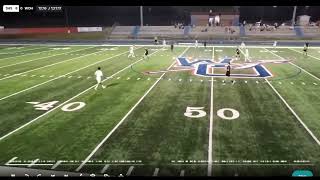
<point>195,112</point>
<point>74,106</point>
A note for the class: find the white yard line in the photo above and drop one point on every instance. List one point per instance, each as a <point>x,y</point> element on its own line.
<point>302,53</point>
<point>33,162</point>
<point>40,58</point>
<point>105,168</point>
<point>294,113</point>
<point>295,65</point>
<point>56,164</point>
<point>2,98</point>
<point>23,54</point>
<point>67,60</point>
<point>10,161</point>
<point>62,104</point>
<point>210,132</point>
<point>129,171</point>
<point>156,171</point>
<point>122,120</point>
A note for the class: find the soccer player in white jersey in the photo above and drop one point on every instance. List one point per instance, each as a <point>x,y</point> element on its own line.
<point>275,44</point>
<point>243,45</point>
<point>99,76</point>
<point>131,53</point>
<point>164,42</point>
<point>246,59</point>
<point>196,44</point>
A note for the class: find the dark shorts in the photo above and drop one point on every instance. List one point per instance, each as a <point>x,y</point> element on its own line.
<point>228,73</point>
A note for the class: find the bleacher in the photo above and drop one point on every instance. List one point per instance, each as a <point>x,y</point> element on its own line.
<point>160,31</point>
<point>121,32</point>
<point>216,31</point>
<point>280,31</point>
<point>311,30</point>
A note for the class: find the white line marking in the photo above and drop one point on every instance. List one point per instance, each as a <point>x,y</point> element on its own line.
<point>315,83</point>
<point>33,162</point>
<point>305,71</point>
<point>56,164</point>
<point>79,77</point>
<point>182,173</point>
<point>129,170</point>
<point>294,65</point>
<point>291,82</point>
<point>302,53</point>
<point>210,132</point>
<point>118,77</point>
<point>280,82</point>
<point>138,79</point>
<point>62,104</point>
<point>23,54</point>
<point>257,82</point>
<point>33,75</point>
<point>67,60</point>
<point>24,75</point>
<point>70,77</point>
<point>61,76</point>
<point>122,120</point>
<point>40,58</point>
<point>156,171</point>
<point>294,113</point>
<point>11,160</point>
<point>104,169</point>
<point>42,75</point>
<point>303,83</point>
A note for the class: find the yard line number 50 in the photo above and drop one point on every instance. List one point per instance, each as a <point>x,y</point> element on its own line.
<point>198,112</point>
<point>73,106</point>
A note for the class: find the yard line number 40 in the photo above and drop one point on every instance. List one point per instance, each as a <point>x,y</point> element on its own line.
<point>198,112</point>
<point>73,106</point>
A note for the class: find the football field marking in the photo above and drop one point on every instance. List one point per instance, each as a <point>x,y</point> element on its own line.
<point>49,65</point>
<point>22,54</point>
<point>62,104</point>
<point>210,131</point>
<point>10,161</point>
<point>302,53</point>
<point>33,162</point>
<point>38,58</point>
<point>32,87</point>
<point>293,112</point>
<point>104,169</point>
<point>295,65</point>
<point>128,113</point>
<point>156,171</point>
<point>56,164</point>
<point>129,170</point>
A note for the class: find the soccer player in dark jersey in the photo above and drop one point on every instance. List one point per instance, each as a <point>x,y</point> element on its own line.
<point>171,46</point>
<point>205,44</point>
<point>237,53</point>
<point>305,49</point>
<point>146,52</point>
<point>229,72</point>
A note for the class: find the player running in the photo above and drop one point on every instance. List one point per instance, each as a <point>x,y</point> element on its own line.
<point>243,45</point>
<point>131,53</point>
<point>274,43</point>
<point>237,53</point>
<point>171,47</point>
<point>146,54</point>
<point>305,49</point>
<point>228,73</point>
<point>99,76</point>
<point>196,44</point>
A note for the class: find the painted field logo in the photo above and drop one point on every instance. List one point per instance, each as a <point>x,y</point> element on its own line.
<point>209,68</point>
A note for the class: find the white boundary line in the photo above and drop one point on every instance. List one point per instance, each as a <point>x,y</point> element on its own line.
<point>129,170</point>
<point>302,53</point>
<point>35,119</point>
<point>294,113</point>
<point>295,65</point>
<point>33,162</point>
<point>105,168</point>
<point>56,164</point>
<point>122,120</point>
<point>11,160</point>
<point>156,171</point>
<point>147,45</point>
<point>49,65</point>
<point>2,98</point>
<point>25,54</point>
<point>210,132</point>
<point>40,58</point>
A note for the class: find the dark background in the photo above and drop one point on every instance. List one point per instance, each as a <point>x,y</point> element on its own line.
<point>153,15</point>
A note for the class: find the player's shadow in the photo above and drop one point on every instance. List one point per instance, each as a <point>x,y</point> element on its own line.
<point>112,84</point>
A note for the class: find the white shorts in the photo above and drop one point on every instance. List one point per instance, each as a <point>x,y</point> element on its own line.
<point>98,79</point>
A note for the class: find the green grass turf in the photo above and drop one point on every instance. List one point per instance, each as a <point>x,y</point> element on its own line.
<point>156,133</point>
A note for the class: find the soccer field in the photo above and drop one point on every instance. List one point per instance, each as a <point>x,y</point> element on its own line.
<point>169,115</point>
